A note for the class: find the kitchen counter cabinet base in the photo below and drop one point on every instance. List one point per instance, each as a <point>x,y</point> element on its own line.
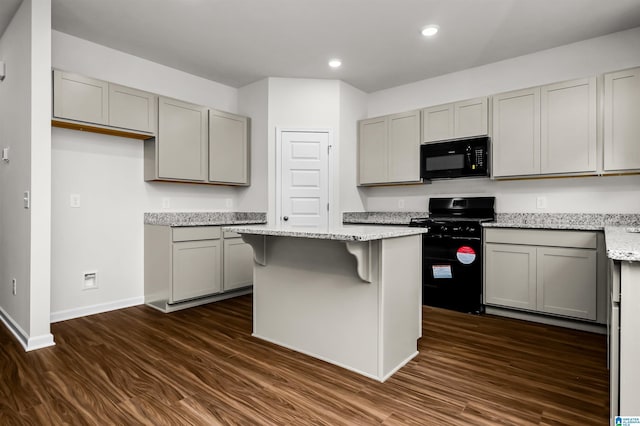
<point>309,297</point>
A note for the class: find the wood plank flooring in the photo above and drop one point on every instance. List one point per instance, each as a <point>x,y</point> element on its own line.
<point>202,367</point>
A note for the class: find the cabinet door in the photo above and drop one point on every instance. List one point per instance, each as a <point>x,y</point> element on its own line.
<point>228,148</point>
<point>131,109</point>
<point>238,264</point>
<point>76,97</point>
<point>470,118</point>
<point>516,133</point>
<point>196,269</point>
<point>404,147</point>
<point>372,151</point>
<point>181,140</point>
<point>437,123</point>
<point>510,275</point>
<point>568,139</point>
<point>622,120</point>
<point>567,282</point>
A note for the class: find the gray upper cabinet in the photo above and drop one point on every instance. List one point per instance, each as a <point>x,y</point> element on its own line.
<point>437,123</point>
<point>516,133</point>
<point>622,120</point>
<point>372,151</point>
<point>228,148</point>
<point>80,98</point>
<point>404,147</point>
<point>389,149</point>
<point>132,109</point>
<point>546,130</point>
<point>568,136</point>
<point>456,120</point>
<point>181,143</point>
<point>195,144</point>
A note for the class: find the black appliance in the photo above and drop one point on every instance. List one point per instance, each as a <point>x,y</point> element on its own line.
<point>452,252</point>
<point>455,159</point>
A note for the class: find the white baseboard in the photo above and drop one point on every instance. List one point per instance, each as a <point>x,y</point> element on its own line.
<point>549,320</point>
<point>95,309</point>
<point>27,342</point>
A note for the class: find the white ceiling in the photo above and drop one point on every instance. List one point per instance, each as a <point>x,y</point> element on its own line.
<point>236,42</point>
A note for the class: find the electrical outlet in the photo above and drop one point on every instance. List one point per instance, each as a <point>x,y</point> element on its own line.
<point>14,286</point>
<point>401,203</point>
<point>166,202</point>
<point>228,203</point>
<point>541,202</point>
<point>74,201</point>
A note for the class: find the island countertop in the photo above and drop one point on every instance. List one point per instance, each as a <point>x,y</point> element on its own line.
<point>623,243</point>
<point>338,233</point>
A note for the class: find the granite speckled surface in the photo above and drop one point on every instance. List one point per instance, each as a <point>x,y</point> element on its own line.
<point>568,221</point>
<point>381,218</point>
<point>203,218</point>
<point>340,233</point>
<point>623,242</point>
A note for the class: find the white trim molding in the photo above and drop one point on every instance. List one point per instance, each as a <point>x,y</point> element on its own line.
<point>27,342</point>
<point>95,309</point>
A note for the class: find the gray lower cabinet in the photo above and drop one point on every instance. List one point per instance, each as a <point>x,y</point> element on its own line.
<point>182,264</point>
<point>238,262</point>
<point>551,272</point>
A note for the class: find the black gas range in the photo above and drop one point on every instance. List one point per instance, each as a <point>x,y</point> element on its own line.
<point>452,252</point>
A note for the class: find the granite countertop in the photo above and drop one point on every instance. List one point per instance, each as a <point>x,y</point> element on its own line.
<point>204,218</point>
<point>339,233</point>
<point>381,218</point>
<point>623,242</point>
<point>563,221</point>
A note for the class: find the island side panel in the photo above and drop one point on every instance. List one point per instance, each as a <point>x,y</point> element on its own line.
<point>401,284</point>
<point>309,298</point>
<point>629,339</point>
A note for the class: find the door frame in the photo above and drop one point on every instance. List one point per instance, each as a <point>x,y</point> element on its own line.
<point>278,191</point>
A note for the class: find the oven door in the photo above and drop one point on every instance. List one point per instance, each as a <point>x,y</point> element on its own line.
<point>452,273</point>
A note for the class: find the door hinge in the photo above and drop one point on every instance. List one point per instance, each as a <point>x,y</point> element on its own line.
<point>327,206</point>
<point>328,149</point>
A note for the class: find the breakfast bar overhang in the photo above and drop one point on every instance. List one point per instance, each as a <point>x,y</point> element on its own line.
<point>350,296</point>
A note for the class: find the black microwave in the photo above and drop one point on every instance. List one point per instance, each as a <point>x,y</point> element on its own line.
<point>455,159</point>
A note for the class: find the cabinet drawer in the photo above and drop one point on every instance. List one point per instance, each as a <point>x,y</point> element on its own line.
<point>577,239</point>
<point>228,235</point>
<point>195,233</point>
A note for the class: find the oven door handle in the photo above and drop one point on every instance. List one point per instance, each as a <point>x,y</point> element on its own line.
<point>441,238</point>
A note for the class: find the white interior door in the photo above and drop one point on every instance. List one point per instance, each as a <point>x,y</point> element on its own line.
<point>304,179</point>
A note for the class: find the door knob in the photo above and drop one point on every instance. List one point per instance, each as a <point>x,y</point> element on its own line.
<point>285,218</point>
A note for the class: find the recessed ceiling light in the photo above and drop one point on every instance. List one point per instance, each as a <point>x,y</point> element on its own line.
<point>335,63</point>
<point>430,30</point>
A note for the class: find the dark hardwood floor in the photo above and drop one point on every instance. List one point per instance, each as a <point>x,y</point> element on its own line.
<point>202,367</point>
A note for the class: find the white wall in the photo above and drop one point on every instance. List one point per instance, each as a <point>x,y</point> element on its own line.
<point>589,57</point>
<point>25,130</point>
<point>106,233</point>
<point>301,104</point>
<point>353,104</point>
<point>253,101</point>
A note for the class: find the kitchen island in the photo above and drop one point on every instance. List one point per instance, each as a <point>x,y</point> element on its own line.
<point>350,295</point>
